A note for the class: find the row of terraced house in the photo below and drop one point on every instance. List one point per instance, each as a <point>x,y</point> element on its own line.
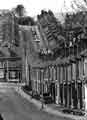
<point>61,79</point>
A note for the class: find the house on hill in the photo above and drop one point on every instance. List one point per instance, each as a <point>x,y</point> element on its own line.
<point>10,61</point>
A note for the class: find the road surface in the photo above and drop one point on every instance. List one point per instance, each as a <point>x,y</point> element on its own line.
<point>14,107</point>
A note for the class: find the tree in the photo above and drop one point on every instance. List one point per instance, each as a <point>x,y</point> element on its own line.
<point>26,21</point>
<point>20,10</point>
<point>80,5</point>
<point>21,19</point>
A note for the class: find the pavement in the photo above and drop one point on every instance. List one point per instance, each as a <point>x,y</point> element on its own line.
<point>49,108</point>
<point>13,106</point>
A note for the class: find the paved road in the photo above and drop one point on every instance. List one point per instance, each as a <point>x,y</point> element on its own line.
<point>14,107</point>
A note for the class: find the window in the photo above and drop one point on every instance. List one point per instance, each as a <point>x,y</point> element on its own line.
<point>1,64</point>
<point>85,69</point>
<point>74,71</point>
<point>12,74</point>
<point>61,75</point>
<point>1,73</point>
<point>69,73</point>
<point>46,74</point>
<point>80,69</point>
<point>1,69</point>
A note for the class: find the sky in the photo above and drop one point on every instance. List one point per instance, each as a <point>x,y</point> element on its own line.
<point>33,7</point>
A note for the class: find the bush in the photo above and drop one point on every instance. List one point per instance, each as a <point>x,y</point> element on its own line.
<point>26,87</point>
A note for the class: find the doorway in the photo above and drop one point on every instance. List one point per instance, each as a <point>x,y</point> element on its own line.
<point>52,91</point>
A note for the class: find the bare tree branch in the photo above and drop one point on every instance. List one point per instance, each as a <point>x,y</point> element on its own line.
<point>81,5</point>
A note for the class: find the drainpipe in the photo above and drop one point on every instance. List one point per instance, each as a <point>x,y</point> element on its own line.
<point>83,86</point>
<point>7,75</point>
<point>63,69</point>
<point>13,16</point>
<point>59,85</point>
<point>29,68</point>
<point>37,80</point>
<point>26,68</point>
<point>71,86</point>
<point>65,79</point>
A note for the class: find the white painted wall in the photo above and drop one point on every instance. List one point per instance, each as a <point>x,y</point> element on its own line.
<point>86,97</point>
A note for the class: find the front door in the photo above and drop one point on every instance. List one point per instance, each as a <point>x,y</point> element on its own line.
<point>53,92</point>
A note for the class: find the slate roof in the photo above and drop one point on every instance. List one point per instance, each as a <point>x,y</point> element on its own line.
<point>33,58</point>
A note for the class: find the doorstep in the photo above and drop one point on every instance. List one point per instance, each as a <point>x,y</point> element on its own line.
<point>65,110</point>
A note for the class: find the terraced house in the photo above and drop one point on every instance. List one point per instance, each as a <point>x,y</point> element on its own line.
<point>11,57</point>
<point>10,61</point>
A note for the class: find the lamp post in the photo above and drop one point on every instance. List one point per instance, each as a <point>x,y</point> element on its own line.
<point>42,80</point>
